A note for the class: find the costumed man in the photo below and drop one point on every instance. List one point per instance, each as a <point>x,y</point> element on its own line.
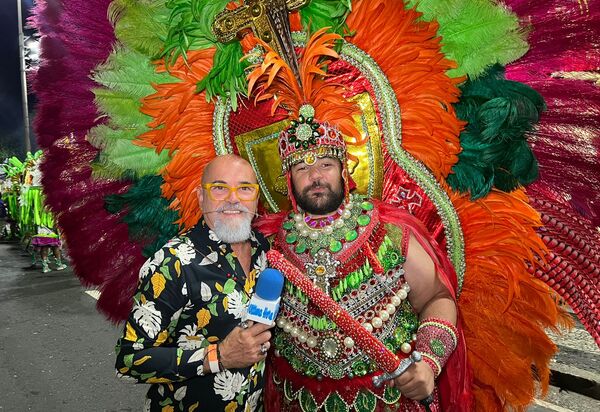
<point>377,263</point>
<point>184,335</point>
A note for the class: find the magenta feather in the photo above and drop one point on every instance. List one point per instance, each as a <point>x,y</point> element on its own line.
<point>76,36</point>
<point>563,65</point>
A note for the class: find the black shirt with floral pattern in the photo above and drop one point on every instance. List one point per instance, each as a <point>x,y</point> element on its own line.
<point>193,292</point>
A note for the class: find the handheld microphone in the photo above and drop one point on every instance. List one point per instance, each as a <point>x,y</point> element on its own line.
<point>264,304</point>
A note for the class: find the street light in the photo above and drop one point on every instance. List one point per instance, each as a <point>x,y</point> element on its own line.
<point>26,137</point>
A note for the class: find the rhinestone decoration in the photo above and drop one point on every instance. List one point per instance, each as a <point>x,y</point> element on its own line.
<point>307,111</point>
<point>310,158</point>
<point>330,347</point>
<point>304,132</point>
<point>368,343</point>
<point>322,270</point>
<point>330,233</point>
<point>437,347</point>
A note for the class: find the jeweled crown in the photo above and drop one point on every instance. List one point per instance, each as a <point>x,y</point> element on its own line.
<point>307,140</point>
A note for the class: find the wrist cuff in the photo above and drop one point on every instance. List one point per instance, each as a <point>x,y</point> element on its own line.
<point>436,340</point>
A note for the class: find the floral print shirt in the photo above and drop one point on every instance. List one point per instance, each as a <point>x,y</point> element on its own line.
<point>193,292</point>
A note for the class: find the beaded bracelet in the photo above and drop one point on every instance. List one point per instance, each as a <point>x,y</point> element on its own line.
<point>436,340</point>
<point>213,359</point>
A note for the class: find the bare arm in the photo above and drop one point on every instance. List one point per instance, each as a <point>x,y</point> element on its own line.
<point>428,295</point>
<point>430,299</point>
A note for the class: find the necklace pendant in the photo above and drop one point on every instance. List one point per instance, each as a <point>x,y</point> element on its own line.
<point>322,269</point>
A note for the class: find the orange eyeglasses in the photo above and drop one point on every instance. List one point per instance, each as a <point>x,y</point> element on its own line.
<point>221,191</point>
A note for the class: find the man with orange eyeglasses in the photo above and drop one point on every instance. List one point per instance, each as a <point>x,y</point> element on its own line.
<point>185,334</point>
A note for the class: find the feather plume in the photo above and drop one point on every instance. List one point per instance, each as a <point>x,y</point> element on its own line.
<point>146,213</point>
<point>140,26</point>
<point>475,34</point>
<point>499,293</point>
<point>408,52</point>
<point>182,126</point>
<point>127,77</point>
<point>274,78</point>
<point>562,64</point>
<point>319,14</point>
<point>500,114</point>
<point>76,37</point>
<point>189,30</point>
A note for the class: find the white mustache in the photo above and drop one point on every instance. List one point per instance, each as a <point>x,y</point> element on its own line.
<point>236,207</point>
<point>219,211</point>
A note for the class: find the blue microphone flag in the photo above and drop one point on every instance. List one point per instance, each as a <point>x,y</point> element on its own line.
<point>264,304</point>
<point>269,284</point>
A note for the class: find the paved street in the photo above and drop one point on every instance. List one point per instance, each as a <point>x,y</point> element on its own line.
<point>56,351</point>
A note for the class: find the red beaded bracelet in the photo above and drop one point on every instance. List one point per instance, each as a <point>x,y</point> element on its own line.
<point>436,340</point>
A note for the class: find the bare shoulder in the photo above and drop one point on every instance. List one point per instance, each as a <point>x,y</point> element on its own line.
<point>420,273</point>
<point>419,267</point>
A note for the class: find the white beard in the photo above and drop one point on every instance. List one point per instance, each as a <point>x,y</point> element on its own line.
<point>234,230</point>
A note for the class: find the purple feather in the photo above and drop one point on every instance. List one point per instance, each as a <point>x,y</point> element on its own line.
<point>565,38</point>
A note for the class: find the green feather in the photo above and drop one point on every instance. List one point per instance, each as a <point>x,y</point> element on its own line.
<point>127,77</point>
<point>475,34</point>
<point>227,77</point>
<point>500,113</point>
<point>141,26</point>
<point>190,29</point>
<point>189,26</point>
<point>146,213</point>
<point>326,13</point>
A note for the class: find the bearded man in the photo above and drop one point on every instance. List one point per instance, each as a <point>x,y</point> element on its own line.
<point>378,264</point>
<point>185,335</point>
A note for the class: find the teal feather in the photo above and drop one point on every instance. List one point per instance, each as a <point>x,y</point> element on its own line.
<point>146,213</point>
<point>500,113</point>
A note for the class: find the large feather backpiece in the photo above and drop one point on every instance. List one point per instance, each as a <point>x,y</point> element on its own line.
<point>129,92</point>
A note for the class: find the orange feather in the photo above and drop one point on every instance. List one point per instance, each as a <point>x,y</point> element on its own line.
<point>505,310</point>
<point>182,125</point>
<point>274,78</point>
<point>408,52</point>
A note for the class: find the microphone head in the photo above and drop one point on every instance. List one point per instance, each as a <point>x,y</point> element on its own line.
<point>269,284</point>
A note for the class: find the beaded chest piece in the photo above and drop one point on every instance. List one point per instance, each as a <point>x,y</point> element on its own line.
<point>335,256</point>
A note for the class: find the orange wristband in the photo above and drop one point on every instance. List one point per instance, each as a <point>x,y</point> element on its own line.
<point>213,359</point>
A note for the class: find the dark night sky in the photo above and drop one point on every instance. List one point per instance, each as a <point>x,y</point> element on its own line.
<point>11,115</point>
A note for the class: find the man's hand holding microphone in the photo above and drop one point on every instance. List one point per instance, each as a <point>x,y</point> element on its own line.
<point>249,343</point>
